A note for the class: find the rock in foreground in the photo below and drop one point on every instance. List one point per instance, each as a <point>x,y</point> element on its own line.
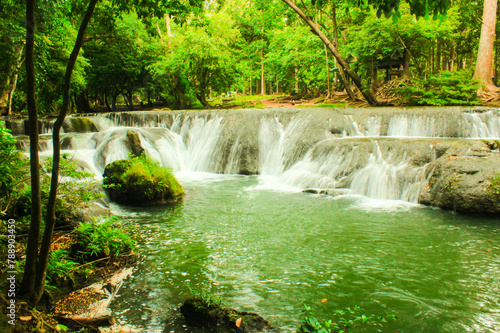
<point>141,181</point>
<point>199,313</point>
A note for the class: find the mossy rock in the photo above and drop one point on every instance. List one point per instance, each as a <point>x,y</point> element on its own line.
<point>141,182</point>
<point>79,125</point>
<point>198,313</point>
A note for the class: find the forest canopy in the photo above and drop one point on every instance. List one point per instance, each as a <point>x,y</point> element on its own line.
<point>182,53</point>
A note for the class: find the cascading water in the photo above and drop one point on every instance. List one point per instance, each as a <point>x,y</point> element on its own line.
<point>277,144</point>
<point>189,145</point>
<point>372,127</point>
<point>391,178</point>
<point>481,125</point>
<point>415,126</point>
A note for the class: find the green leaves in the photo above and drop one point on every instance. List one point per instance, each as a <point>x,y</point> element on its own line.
<point>419,8</point>
<point>101,239</point>
<point>445,88</point>
<point>344,320</point>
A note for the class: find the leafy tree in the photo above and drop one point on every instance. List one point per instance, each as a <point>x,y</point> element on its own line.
<point>118,61</point>
<point>11,48</point>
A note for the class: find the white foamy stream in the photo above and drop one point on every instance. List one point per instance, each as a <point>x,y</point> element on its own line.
<point>192,147</point>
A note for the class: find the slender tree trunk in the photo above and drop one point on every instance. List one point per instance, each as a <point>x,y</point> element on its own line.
<point>30,268</point>
<point>113,102</point>
<point>43,259</point>
<point>342,76</point>
<point>484,64</point>
<point>108,107</point>
<point>169,30</point>
<point>328,83</point>
<point>406,65</point>
<point>437,66</point>
<point>262,82</point>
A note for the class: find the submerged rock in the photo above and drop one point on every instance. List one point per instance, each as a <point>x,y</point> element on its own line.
<point>199,313</point>
<point>134,183</point>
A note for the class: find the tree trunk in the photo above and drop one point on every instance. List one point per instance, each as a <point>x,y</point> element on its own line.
<point>113,102</point>
<point>484,64</point>
<point>106,101</point>
<point>406,65</point>
<point>43,258</point>
<point>262,82</point>
<point>342,77</point>
<point>29,277</point>
<point>11,80</point>
<point>328,84</point>
<point>341,61</point>
<point>82,103</point>
<point>437,66</point>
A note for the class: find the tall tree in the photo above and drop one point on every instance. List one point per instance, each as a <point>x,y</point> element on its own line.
<point>484,64</point>
<point>340,60</point>
<point>28,284</point>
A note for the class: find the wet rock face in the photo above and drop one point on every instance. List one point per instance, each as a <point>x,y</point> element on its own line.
<point>79,125</point>
<point>465,180</point>
<point>199,313</point>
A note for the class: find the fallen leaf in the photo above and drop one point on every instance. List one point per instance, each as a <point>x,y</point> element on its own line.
<point>324,300</point>
<point>25,318</point>
<point>238,322</point>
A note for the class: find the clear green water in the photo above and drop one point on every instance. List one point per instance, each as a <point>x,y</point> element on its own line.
<point>270,252</point>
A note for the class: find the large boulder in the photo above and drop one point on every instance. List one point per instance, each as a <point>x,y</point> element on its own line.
<point>141,182</point>
<point>200,313</point>
<point>466,179</point>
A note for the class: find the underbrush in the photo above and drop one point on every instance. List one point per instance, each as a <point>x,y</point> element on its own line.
<point>443,89</point>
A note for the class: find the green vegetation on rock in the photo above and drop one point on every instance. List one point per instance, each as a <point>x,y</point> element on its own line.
<point>494,184</point>
<point>141,181</point>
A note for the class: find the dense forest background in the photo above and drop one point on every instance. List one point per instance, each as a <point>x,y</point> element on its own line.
<point>248,47</point>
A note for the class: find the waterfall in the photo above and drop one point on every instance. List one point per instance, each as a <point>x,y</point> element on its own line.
<point>290,150</point>
<point>391,178</point>
<point>415,126</point>
<point>372,127</point>
<point>320,171</point>
<point>277,144</point>
<point>481,125</point>
<point>189,145</point>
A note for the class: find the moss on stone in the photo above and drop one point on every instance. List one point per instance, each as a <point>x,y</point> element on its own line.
<point>80,125</point>
<point>141,181</point>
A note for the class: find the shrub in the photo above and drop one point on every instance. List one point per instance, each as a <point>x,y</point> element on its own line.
<point>11,168</point>
<point>445,88</point>
<point>59,267</point>
<point>99,240</point>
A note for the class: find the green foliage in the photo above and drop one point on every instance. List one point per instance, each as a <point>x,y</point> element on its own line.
<point>207,298</point>
<point>344,320</point>
<point>11,168</point>
<point>59,267</point>
<point>101,239</point>
<point>445,88</point>
<point>494,184</point>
